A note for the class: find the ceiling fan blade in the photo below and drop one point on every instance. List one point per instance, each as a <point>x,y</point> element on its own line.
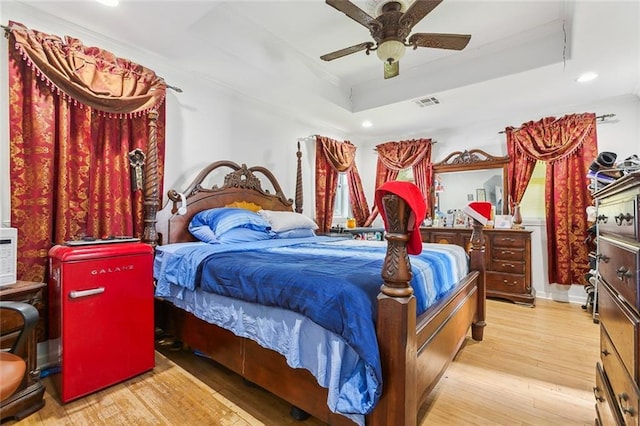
<point>354,12</point>
<point>347,51</point>
<point>440,41</point>
<point>418,10</point>
<point>391,69</point>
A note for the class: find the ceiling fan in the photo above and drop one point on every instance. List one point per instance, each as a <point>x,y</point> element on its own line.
<point>390,31</point>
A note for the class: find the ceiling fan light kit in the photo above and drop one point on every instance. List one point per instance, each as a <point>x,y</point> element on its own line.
<point>390,30</point>
<point>390,51</point>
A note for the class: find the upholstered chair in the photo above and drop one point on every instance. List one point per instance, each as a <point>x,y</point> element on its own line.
<point>21,392</point>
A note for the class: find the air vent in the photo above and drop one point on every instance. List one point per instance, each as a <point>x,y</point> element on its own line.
<point>432,100</point>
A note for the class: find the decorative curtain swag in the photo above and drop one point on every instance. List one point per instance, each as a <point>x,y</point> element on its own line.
<point>552,139</point>
<point>89,75</point>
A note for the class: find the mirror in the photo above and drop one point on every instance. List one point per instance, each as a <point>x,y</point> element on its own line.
<point>466,176</point>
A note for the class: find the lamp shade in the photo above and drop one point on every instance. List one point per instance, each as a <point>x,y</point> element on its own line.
<point>390,51</point>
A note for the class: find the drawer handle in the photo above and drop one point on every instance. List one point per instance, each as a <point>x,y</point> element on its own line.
<point>596,393</point>
<point>507,252</point>
<point>605,352</point>
<point>509,283</point>
<point>623,273</point>
<point>623,397</point>
<point>509,265</point>
<point>621,217</point>
<point>603,257</point>
<point>602,218</point>
<point>509,240</point>
<point>84,293</point>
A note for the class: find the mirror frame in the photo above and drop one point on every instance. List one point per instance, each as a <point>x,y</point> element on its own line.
<point>474,159</point>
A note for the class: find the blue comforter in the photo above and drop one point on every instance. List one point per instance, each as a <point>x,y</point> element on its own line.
<point>333,282</point>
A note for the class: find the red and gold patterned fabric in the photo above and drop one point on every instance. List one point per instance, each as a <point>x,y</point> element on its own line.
<point>396,156</point>
<point>70,172</point>
<point>568,145</point>
<point>333,157</point>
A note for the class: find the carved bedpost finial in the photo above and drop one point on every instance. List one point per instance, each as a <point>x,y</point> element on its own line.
<point>396,270</point>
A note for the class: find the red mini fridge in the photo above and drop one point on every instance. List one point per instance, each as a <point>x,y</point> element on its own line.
<point>101,323</point>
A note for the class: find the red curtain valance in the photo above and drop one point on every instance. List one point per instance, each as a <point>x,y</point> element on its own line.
<point>90,75</point>
<point>341,155</point>
<point>401,155</point>
<point>553,139</point>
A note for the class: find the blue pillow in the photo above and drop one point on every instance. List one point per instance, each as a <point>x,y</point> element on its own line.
<point>204,234</point>
<point>241,235</point>
<point>223,219</point>
<point>296,233</point>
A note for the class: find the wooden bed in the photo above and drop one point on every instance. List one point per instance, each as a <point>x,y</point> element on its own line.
<point>414,351</point>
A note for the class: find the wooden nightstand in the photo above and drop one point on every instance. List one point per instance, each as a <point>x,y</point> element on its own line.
<point>31,293</point>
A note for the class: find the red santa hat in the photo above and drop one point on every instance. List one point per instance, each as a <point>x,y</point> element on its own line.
<point>411,194</point>
<point>479,210</point>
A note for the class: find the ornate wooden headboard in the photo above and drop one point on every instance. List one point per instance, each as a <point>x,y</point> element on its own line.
<point>241,188</point>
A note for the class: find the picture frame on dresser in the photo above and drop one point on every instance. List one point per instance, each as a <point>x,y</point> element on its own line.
<point>502,221</point>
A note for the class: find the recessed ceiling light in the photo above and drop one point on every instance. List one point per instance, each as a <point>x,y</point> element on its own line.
<point>587,76</point>
<point>112,3</point>
<point>367,123</point>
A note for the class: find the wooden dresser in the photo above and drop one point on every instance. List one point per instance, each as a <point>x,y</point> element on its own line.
<point>508,259</point>
<point>618,372</point>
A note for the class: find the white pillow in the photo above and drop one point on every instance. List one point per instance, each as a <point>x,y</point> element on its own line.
<point>285,221</point>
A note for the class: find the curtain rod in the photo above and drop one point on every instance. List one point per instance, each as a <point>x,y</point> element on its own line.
<point>599,117</point>
<point>7,30</point>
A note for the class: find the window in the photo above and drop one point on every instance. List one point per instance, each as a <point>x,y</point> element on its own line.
<point>342,206</point>
<point>406,175</point>
<point>532,204</point>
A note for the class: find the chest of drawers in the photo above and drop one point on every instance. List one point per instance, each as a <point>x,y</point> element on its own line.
<point>508,259</point>
<point>618,372</point>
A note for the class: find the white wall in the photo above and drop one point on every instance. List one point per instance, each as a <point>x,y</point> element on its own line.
<point>209,122</point>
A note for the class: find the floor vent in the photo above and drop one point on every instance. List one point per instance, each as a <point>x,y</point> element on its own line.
<point>432,100</point>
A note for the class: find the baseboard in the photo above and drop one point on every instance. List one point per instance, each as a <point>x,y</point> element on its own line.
<point>562,297</point>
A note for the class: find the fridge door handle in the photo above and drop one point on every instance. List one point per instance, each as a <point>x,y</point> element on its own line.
<point>84,293</point>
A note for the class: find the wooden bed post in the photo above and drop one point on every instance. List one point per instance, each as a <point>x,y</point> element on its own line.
<point>151,196</point>
<point>397,333</point>
<point>476,262</point>
<point>299,191</point>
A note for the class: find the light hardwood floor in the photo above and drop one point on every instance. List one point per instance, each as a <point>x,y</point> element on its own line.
<point>536,366</point>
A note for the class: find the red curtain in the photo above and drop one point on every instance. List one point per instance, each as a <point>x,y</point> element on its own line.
<point>520,169</point>
<point>568,145</point>
<point>396,156</point>
<point>333,157</point>
<point>70,172</point>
